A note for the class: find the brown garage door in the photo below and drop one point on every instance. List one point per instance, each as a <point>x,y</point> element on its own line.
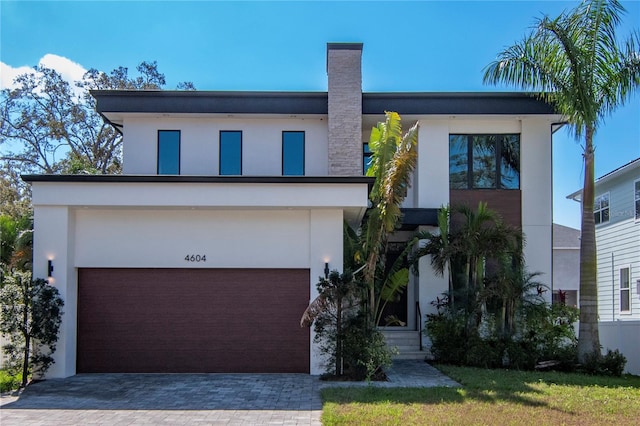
<point>192,320</point>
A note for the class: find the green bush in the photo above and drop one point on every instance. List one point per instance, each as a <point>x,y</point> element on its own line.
<point>484,353</point>
<point>543,333</point>
<point>9,381</point>
<point>610,364</point>
<point>446,330</point>
<point>365,353</point>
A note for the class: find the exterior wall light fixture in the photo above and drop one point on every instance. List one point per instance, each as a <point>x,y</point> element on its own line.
<point>326,270</point>
<point>49,268</point>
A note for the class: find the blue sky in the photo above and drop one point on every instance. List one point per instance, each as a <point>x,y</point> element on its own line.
<point>408,46</point>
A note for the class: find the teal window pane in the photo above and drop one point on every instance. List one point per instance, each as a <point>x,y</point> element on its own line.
<point>230,152</point>
<point>510,162</point>
<point>293,153</point>
<point>484,161</point>
<point>366,158</point>
<point>168,152</point>
<point>458,161</point>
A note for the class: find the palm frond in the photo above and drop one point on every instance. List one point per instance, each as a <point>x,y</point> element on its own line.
<point>314,309</point>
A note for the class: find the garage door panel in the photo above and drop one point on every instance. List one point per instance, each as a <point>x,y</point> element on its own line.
<point>192,320</point>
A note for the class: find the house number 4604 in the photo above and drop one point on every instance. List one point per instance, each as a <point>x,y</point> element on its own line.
<point>196,258</point>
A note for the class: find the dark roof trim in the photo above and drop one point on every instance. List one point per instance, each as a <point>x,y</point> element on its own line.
<point>201,179</point>
<point>489,103</point>
<point>438,103</point>
<point>412,218</point>
<point>344,46</point>
<point>185,102</point>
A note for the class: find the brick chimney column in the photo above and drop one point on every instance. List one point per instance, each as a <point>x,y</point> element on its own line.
<point>344,70</point>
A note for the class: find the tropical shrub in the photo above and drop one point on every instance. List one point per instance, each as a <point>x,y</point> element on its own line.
<point>31,317</point>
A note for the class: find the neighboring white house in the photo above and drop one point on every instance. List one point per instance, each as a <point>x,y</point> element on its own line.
<point>204,253</point>
<point>617,216</point>
<point>566,265</point>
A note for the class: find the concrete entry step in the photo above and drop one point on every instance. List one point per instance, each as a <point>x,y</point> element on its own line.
<point>407,342</point>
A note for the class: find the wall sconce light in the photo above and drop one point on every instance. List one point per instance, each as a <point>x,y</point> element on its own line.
<point>326,269</point>
<point>49,268</point>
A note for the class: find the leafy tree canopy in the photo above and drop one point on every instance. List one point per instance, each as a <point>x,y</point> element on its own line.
<point>49,125</point>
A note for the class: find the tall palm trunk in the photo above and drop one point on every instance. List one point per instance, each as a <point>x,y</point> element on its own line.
<point>588,337</point>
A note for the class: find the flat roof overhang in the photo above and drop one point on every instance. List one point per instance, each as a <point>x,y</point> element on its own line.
<point>114,104</point>
<point>412,218</point>
<point>347,193</point>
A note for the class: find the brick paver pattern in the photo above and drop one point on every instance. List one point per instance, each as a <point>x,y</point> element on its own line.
<point>234,399</point>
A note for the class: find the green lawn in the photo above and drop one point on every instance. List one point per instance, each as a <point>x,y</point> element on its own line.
<point>492,397</point>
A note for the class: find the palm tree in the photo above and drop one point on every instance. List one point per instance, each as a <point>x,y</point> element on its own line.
<point>576,63</point>
<point>393,160</point>
<point>439,247</point>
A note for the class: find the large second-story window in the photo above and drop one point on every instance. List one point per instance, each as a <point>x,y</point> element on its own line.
<point>168,152</point>
<point>484,161</point>
<point>230,152</point>
<point>293,153</point>
<point>601,209</point>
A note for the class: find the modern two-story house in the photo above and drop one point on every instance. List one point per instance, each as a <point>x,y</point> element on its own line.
<point>203,254</point>
<point>617,217</point>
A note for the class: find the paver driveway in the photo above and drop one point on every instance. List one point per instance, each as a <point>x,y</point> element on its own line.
<point>254,399</point>
<point>122,399</point>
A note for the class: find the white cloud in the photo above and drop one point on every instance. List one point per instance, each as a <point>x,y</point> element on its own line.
<point>9,73</point>
<point>69,70</point>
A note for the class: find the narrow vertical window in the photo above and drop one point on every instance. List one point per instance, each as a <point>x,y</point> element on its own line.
<point>510,162</point>
<point>230,152</point>
<point>366,158</point>
<point>601,209</point>
<point>168,152</point>
<point>458,162</point>
<point>484,161</point>
<point>293,153</point>
<point>625,290</point>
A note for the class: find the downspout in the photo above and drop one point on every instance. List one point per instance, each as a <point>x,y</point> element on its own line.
<point>613,292</point>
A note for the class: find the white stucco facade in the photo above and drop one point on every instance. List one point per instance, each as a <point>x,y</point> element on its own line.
<point>99,225</point>
<point>199,143</point>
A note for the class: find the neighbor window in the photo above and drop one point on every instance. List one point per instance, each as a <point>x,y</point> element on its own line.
<point>625,290</point>
<point>168,152</point>
<point>637,198</point>
<point>484,161</point>
<point>230,152</point>
<point>366,158</point>
<point>292,153</point>
<point>601,209</point>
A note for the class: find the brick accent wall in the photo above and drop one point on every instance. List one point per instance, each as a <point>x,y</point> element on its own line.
<point>508,203</point>
<point>344,69</point>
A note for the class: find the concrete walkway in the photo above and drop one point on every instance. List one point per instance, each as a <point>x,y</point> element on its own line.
<point>239,399</point>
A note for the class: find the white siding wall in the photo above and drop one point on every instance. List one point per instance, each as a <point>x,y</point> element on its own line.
<point>199,144</point>
<point>618,246</point>
<point>620,239</point>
